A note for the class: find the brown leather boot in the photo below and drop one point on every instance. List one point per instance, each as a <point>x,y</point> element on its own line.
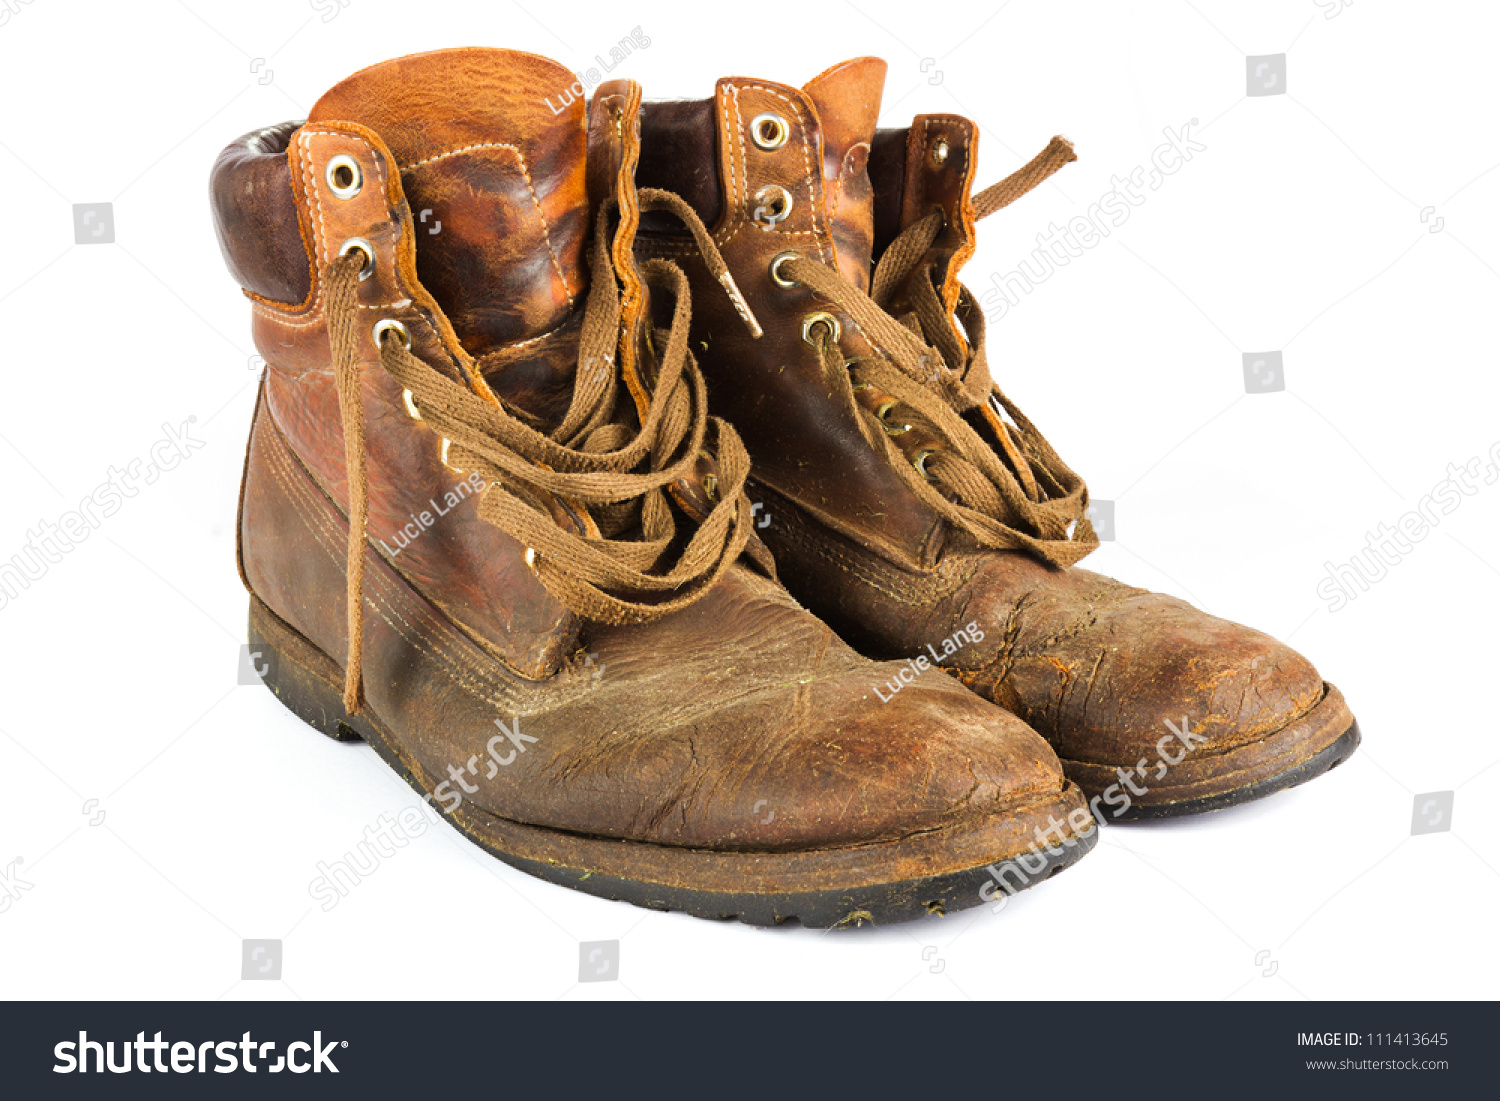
<point>906,495</point>
<point>488,527</point>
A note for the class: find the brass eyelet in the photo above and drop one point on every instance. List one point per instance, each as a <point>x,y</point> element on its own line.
<point>775,202</point>
<point>769,132</point>
<point>391,325</point>
<point>940,151</point>
<point>711,486</point>
<point>344,176</point>
<point>919,460</point>
<point>850,363</point>
<point>776,276</point>
<point>882,412</point>
<point>362,246</point>
<point>821,317</point>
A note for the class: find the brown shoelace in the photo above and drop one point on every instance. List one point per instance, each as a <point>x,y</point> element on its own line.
<point>601,458</point>
<point>1028,499</point>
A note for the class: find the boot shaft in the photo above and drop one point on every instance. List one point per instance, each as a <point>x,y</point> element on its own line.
<point>469,196</point>
<point>774,169</point>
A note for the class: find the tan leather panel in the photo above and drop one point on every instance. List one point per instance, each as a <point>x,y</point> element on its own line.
<point>481,147</point>
<point>847,101</point>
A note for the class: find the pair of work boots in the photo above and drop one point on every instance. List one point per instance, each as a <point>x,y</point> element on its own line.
<point>630,476</point>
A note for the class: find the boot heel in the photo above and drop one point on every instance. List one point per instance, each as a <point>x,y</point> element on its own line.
<point>305,679</point>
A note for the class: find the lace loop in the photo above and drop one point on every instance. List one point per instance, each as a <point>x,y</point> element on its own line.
<point>1014,493</point>
<point>611,467</point>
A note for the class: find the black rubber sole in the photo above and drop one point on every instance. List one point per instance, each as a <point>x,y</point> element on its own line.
<point>1326,760</point>
<point>309,684</point>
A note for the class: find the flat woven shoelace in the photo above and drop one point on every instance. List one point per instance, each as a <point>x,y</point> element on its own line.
<point>597,458</point>
<point>1025,499</point>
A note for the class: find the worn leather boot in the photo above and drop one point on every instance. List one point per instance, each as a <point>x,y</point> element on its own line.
<point>903,494</point>
<point>488,526</point>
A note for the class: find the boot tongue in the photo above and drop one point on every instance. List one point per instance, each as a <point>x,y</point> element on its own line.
<point>491,146</point>
<point>847,100</point>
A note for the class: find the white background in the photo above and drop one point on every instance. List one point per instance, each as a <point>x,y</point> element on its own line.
<point>1298,229</point>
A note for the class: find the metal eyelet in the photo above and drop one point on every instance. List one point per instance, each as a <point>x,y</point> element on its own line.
<point>821,317</point>
<point>776,276</point>
<point>711,486</point>
<point>344,176</point>
<point>919,460</point>
<point>769,132</point>
<point>443,455</point>
<point>882,412</point>
<point>776,201</point>
<point>939,151</point>
<point>530,558</point>
<point>359,244</point>
<point>391,325</point>
<point>411,405</point>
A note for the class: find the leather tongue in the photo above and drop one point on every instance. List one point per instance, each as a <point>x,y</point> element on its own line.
<point>847,100</point>
<point>492,146</point>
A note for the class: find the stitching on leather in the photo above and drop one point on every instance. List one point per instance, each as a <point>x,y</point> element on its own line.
<point>304,156</point>
<point>737,201</point>
<point>807,176</point>
<point>462,149</point>
<point>807,168</point>
<point>390,229</point>
<point>689,249</point>
<point>278,319</point>
<point>536,339</point>
<point>305,501</point>
<point>914,596</point>
<point>530,187</point>
<point>322,527</point>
